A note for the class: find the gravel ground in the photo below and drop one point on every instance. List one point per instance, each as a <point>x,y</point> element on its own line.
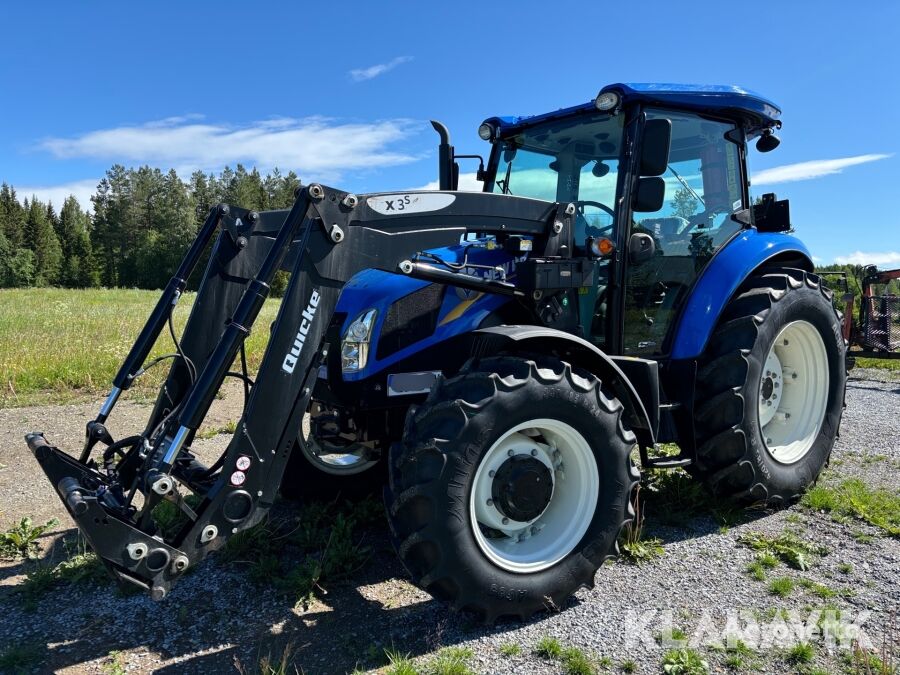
<point>216,617</point>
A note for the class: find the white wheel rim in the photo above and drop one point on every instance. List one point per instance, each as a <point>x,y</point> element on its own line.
<point>793,392</point>
<point>530,546</point>
<point>332,460</point>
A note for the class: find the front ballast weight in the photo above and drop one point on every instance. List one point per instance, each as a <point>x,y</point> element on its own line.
<point>326,238</point>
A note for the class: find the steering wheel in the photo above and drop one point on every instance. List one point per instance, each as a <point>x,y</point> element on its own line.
<point>581,203</point>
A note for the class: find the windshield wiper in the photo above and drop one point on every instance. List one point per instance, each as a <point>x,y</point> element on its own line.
<point>504,184</point>
<point>686,186</point>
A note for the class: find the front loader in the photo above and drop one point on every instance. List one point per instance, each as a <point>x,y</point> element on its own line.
<point>492,359</point>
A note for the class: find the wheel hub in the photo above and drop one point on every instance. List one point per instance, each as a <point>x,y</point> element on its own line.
<point>522,488</point>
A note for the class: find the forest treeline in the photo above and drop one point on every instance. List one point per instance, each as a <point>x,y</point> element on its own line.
<point>141,223</point>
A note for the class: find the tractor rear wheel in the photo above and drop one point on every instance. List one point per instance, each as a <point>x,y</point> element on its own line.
<point>511,485</point>
<point>770,392</point>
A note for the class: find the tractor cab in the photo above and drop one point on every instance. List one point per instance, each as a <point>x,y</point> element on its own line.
<point>658,176</point>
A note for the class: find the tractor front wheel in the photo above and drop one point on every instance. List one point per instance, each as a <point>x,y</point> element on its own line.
<point>511,486</point>
<point>771,390</point>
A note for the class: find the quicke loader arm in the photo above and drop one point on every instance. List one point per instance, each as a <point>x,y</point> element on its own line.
<point>326,237</point>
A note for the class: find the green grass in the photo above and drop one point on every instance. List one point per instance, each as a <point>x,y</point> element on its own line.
<point>450,661</point>
<point>510,649</point>
<point>845,568</point>
<point>853,498</point>
<point>884,364</point>
<point>548,648</point>
<point>60,345</point>
<point>399,663</point>
<point>576,662</point>
<point>786,547</point>
<point>21,540</point>
<point>297,555</point>
<point>573,660</point>
<point>79,565</point>
<point>763,562</point>
<point>800,654</point>
<point>115,665</point>
<point>782,586</point>
<point>628,666</point>
<point>632,544</point>
<point>818,589</point>
<point>684,662</point>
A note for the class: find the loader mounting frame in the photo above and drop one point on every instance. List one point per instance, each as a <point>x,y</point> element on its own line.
<point>323,240</point>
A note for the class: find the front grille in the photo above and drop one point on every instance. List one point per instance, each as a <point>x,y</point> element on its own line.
<point>410,319</point>
<point>881,322</point>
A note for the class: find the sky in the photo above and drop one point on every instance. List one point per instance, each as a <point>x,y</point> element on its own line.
<point>342,93</point>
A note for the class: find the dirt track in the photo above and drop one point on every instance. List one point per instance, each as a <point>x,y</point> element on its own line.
<point>216,615</point>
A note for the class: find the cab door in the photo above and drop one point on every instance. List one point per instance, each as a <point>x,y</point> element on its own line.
<point>704,186</point>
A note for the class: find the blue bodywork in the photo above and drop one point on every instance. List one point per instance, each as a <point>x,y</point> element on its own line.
<point>462,311</point>
<point>721,278</point>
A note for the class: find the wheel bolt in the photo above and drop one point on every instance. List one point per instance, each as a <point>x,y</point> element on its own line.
<point>787,416</point>
<point>769,403</point>
<point>505,521</point>
<point>510,452</point>
<point>490,502</point>
<point>793,376</point>
<point>491,473</point>
<point>769,441</point>
<point>534,452</point>
<point>786,343</point>
<point>534,531</point>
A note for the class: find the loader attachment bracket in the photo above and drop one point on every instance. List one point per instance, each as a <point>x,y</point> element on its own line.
<point>326,238</point>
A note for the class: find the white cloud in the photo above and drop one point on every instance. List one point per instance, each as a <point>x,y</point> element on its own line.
<point>314,145</point>
<point>812,169</point>
<point>57,194</point>
<point>362,74</point>
<point>880,258</point>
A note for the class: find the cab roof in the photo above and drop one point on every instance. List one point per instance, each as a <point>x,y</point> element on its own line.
<point>753,110</point>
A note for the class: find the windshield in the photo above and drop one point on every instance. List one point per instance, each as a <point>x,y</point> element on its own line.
<point>569,160</point>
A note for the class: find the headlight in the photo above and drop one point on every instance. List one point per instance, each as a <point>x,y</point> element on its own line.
<point>486,131</point>
<point>355,345</point>
<point>607,100</point>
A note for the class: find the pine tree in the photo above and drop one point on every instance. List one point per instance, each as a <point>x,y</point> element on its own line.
<point>12,217</point>
<point>79,268</point>
<point>40,238</point>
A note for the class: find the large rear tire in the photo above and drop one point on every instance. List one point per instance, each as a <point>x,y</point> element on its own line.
<point>511,486</point>
<point>770,391</point>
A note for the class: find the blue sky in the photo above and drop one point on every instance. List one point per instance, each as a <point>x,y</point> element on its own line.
<point>342,92</point>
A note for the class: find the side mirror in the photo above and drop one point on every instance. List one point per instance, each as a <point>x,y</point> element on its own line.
<point>641,248</point>
<point>655,147</point>
<point>649,194</point>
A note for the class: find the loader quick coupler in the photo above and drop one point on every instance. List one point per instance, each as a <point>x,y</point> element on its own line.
<point>326,238</point>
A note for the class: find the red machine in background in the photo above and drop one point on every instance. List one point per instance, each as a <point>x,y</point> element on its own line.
<point>876,332</point>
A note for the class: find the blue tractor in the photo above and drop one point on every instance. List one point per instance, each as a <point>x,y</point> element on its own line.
<point>496,361</point>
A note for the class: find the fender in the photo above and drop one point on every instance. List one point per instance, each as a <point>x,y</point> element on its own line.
<point>576,350</point>
<point>725,273</point>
